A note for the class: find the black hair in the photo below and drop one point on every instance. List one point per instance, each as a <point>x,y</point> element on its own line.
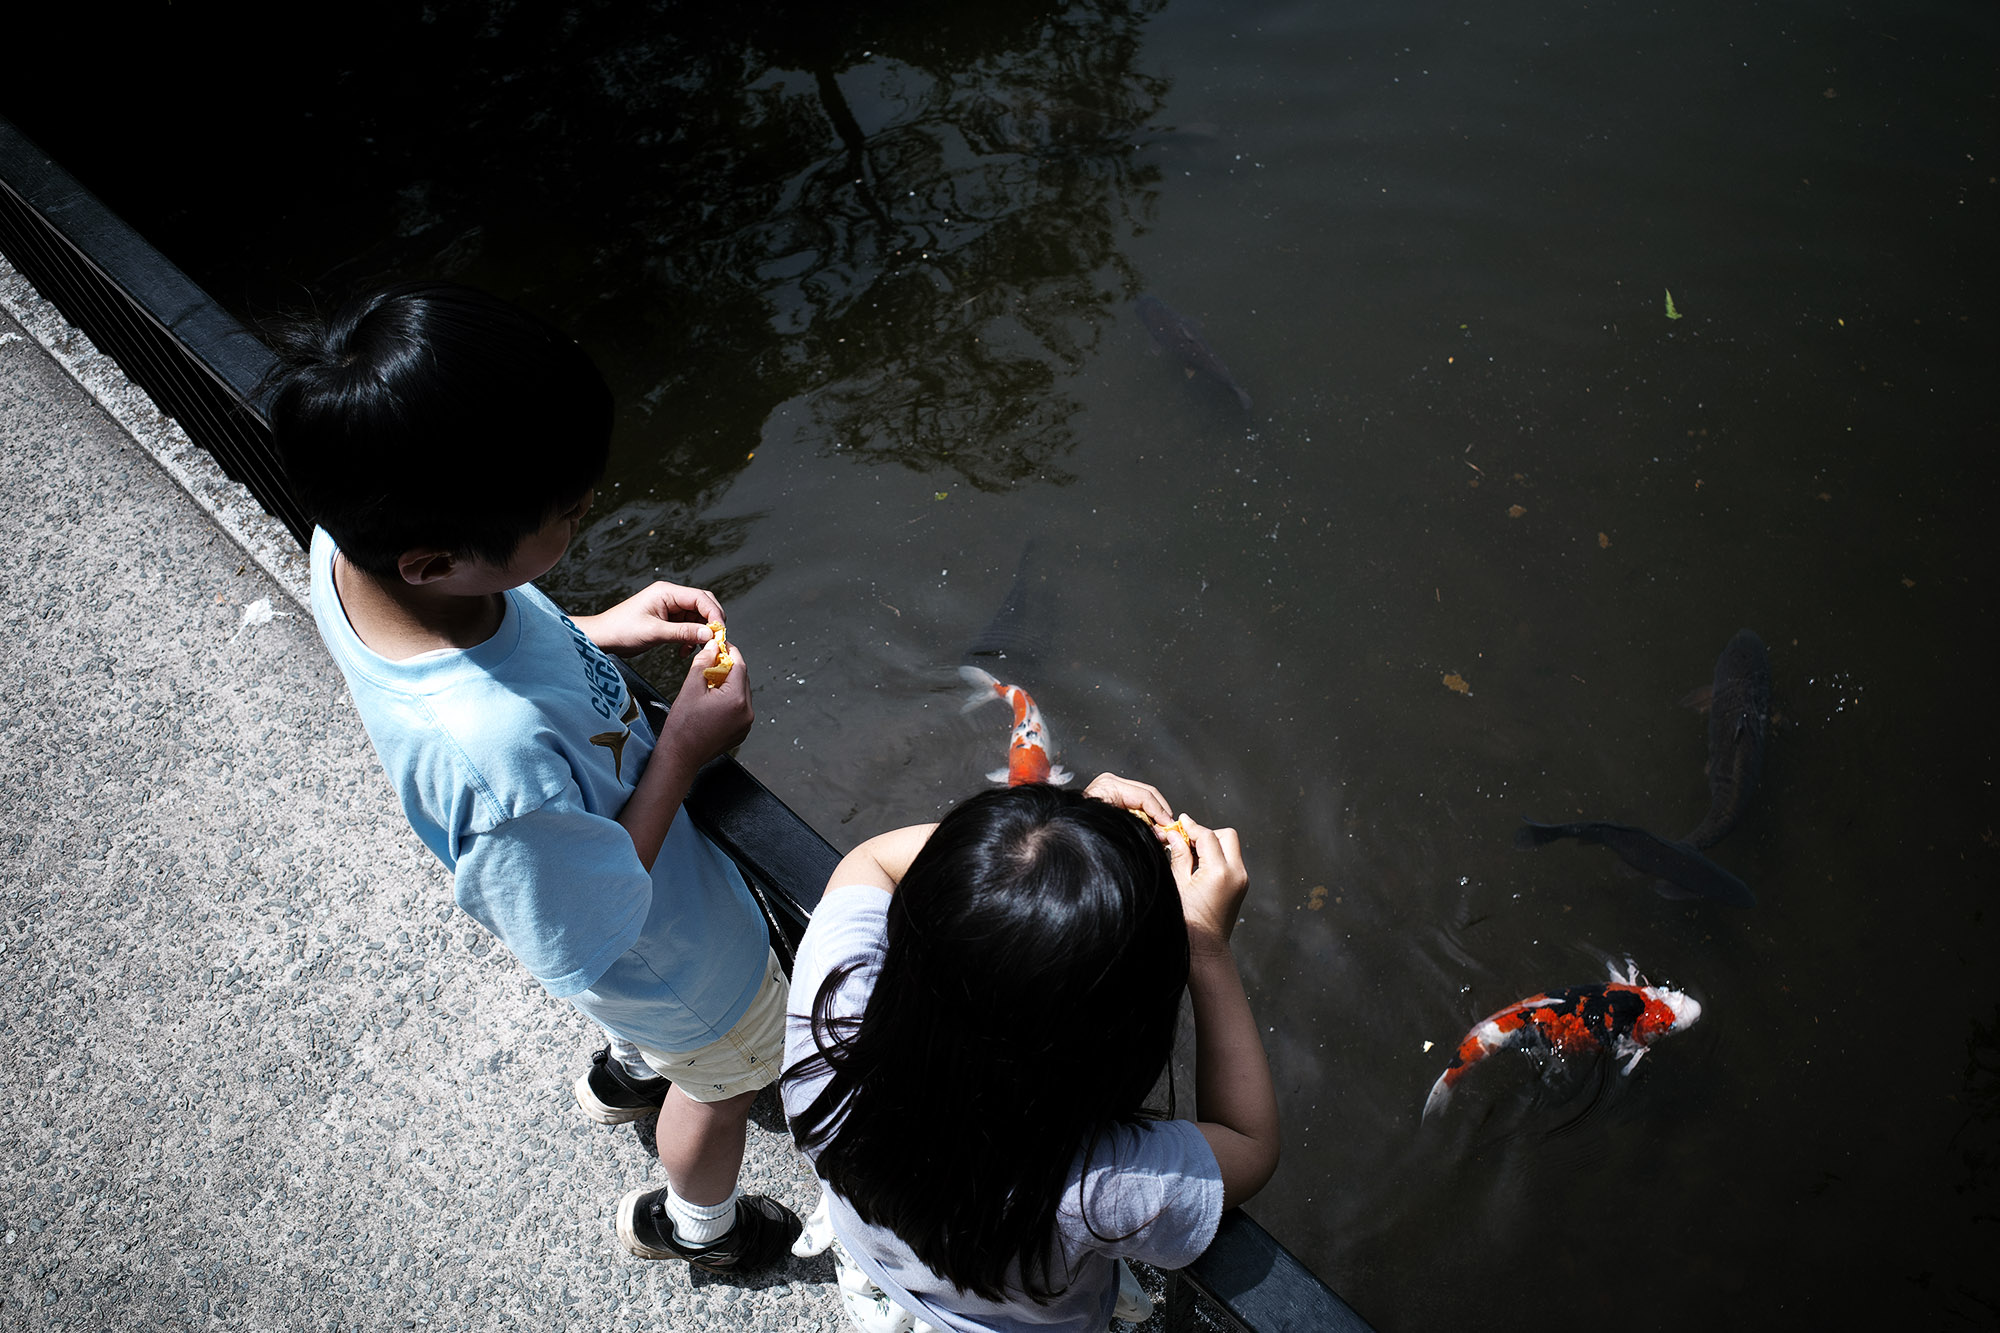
<point>430,414</point>
<point>1027,1003</point>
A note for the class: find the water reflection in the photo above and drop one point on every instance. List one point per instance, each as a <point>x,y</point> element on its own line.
<point>951,252</point>
<point>894,229</point>
<point>908,223</point>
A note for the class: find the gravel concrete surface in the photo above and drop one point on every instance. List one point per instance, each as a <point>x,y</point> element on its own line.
<point>259,1072</point>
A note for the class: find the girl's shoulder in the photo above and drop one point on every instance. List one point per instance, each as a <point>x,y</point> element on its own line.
<point>1151,1191</point>
<point>847,926</point>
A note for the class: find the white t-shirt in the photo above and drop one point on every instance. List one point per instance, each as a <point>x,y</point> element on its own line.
<point>1156,1186</point>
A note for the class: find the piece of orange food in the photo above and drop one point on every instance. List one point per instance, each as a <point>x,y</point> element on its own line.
<point>715,675</point>
<point>1175,827</point>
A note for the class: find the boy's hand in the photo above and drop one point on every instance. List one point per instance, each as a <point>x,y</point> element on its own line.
<point>1208,867</point>
<point>662,613</point>
<point>707,720</point>
<point>1139,797</point>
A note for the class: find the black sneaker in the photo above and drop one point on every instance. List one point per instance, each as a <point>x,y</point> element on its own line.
<point>763,1234</point>
<point>610,1096</point>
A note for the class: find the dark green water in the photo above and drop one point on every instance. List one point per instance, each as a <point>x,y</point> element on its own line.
<point>865,289</point>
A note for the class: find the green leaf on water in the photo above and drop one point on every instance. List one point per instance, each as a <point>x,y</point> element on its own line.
<point>941,495</point>
<point>1671,312</point>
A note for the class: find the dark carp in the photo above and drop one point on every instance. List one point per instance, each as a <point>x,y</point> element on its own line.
<point>1023,629</point>
<point>1738,702</point>
<point>1678,869</point>
<point>1178,337</point>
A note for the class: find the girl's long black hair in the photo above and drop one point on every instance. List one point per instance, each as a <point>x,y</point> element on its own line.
<point>1026,1005</point>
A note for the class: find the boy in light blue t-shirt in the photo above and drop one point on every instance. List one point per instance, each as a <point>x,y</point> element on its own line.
<point>447,445</point>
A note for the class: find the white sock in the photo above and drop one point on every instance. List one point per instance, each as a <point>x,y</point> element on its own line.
<point>628,1057</point>
<point>701,1223</point>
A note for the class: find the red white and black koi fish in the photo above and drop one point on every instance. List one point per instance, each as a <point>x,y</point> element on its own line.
<point>1624,1016</point>
<point>1030,747</point>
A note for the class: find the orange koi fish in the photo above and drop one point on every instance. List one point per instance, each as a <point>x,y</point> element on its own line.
<point>1625,1016</point>
<point>1029,748</point>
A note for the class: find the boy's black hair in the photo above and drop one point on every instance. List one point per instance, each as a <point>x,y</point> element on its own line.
<point>1025,1007</point>
<point>430,414</point>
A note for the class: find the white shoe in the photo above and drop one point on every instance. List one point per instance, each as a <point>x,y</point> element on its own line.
<point>1134,1305</point>
<point>818,1232</point>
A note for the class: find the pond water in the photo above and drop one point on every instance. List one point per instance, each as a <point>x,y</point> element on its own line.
<point>1574,337</point>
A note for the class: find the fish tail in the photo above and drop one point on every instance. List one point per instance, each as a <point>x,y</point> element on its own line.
<point>1440,1094</point>
<point>1532,835</point>
<point>985,688</point>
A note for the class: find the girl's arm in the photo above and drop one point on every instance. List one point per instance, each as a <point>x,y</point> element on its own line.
<point>1236,1106</point>
<point>881,860</point>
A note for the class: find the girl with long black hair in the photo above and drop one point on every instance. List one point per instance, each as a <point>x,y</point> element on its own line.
<point>980,1014</point>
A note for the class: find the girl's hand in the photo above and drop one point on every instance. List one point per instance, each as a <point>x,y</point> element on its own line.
<point>1140,797</point>
<point>662,613</point>
<point>1208,867</point>
<point>706,720</point>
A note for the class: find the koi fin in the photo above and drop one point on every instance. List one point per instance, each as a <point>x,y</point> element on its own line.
<point>1058,775</point>
<point>998,775</point>
<point>1633,1054</point>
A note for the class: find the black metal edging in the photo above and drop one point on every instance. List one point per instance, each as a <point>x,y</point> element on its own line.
<point>1259,1285</point>
<point>202,367</point>
<point>168,335</point>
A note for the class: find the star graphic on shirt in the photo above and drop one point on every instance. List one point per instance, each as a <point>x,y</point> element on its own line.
<point>614,741</point>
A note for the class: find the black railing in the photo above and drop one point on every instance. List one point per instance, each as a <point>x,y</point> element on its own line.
<point>202,367</point>
<point>169,336</point>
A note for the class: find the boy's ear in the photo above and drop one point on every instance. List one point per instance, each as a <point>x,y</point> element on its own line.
<point>425,564</point>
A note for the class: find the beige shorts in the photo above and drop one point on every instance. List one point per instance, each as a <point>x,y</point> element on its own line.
<point>747,1057</point>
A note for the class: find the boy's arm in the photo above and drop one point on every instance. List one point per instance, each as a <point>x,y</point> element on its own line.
<point>662,613</point>
<point>881,861</point>
<point>1235,1103</point>
<point>704,721</point>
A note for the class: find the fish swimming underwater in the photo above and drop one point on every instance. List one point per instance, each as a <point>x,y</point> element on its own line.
<point>1738,702</point>
<point>1178,335</point>
<point>1623,1015</point>
<point>1679,869</point>
<point>1030,747</point>
<point>1019,630</point>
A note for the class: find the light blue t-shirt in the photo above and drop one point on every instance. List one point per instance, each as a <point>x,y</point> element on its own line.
<point>512,760</point>
<point>1155,1188</point>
